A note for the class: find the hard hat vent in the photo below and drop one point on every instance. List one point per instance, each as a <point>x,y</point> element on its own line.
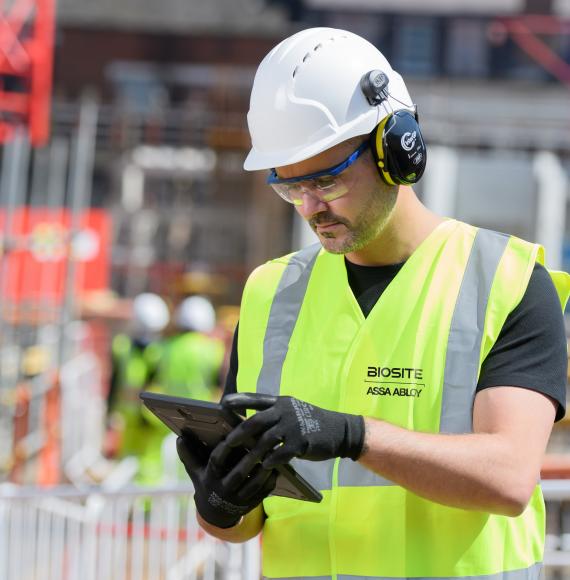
<point>315,48</point>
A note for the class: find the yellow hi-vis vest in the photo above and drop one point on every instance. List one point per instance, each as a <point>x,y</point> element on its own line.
<point>414,361</point>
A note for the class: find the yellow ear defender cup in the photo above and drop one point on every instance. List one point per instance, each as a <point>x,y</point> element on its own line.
<point>377,147</point>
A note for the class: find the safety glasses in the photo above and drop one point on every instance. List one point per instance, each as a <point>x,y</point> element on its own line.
<point>326,185</point>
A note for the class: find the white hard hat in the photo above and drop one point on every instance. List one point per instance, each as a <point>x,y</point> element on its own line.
<point>196,313</point>
<point>306,96</point>
<point>150,312</point>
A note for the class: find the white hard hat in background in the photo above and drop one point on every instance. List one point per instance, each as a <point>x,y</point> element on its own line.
<point>196,313</point>
<point>150,312</point>
<point>306,96</point>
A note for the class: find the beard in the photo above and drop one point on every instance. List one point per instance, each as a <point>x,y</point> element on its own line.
<point>365,227</point>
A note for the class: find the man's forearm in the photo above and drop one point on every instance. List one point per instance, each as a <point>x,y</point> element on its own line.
<point>478,471</point>
<point>248,527</point>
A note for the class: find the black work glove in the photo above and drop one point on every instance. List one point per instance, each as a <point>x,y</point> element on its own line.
<point>226,488</point>
<point>285,427</point>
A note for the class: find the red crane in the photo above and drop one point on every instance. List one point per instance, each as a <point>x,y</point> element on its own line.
<point>26,65</point>
<point>525,31</point>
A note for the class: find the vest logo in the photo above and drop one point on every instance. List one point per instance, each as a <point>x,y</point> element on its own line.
<point>394,381</point>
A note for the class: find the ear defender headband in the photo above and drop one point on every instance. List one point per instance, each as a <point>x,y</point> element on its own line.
<point>396,143</point>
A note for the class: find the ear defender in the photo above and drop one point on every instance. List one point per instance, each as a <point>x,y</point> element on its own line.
<point>397,143</point>
<point>399,149</point>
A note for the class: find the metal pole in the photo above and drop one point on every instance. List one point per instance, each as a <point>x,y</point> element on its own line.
<point>552,201</point>
<point>13,184</point>
<point>80,186</point>
<point>440,181</point>
<point>80,198</point>
<point>48,192</point>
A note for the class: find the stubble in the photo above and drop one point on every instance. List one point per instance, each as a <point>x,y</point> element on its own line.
<point>359,232</point>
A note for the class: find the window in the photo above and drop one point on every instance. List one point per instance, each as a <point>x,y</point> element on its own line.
<point>416,45</point>
<point>467,48</point>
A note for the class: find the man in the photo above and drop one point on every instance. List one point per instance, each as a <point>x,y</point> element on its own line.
<point>413,365</point>
<point>192,359</point>
<point>135,362</point>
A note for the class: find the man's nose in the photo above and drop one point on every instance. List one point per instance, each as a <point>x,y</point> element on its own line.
<point>311,205</point>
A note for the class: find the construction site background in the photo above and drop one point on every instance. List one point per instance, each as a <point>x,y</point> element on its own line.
<point>139,188</point>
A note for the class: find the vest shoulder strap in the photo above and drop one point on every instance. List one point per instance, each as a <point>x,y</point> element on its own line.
<point>562,284</point>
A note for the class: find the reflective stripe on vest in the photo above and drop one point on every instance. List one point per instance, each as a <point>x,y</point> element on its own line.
<point>532,573</point>
<point>466,332</point>
<point>283,317</point>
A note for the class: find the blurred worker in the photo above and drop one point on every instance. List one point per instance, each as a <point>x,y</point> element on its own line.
<point>136,359</point>
<point>192,359</point>
<point>413,363</point>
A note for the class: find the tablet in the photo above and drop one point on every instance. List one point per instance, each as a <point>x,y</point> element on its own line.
<point>210,423</point>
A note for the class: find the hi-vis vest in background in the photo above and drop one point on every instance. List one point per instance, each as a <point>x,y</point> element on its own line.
<point>414,361</point>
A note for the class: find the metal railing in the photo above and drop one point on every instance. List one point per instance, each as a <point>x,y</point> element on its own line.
<point>557,548</point>
<point>142,533</point>
<point>134,534</point>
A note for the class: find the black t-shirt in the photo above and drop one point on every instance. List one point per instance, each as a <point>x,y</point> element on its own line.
<point>530,351</point>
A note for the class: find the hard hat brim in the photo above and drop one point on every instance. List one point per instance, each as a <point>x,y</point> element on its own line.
<point>258,160</point>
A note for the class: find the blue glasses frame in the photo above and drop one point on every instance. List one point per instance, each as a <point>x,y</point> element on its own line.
<point>273,178</point>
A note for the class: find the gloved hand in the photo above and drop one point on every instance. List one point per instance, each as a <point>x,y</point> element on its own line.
<point>226,488</point>
<point>285,427</point>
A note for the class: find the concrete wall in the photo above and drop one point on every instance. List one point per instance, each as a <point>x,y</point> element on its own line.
<point>185,16</point>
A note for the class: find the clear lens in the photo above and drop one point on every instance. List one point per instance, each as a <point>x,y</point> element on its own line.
<point>326,188</point>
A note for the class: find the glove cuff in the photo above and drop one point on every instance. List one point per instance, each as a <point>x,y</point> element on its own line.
<point>224,525</point>
<point>218,512</point>
<point>354,437</point>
